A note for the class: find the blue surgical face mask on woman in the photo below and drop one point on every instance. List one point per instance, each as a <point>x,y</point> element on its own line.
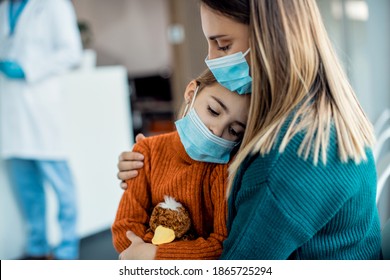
<point>199,142</point>
<point>232,72</point>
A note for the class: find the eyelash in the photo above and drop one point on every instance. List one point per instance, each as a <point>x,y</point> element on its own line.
<point>224,48</point>
<point>212,112</point>
<point>231,130</point>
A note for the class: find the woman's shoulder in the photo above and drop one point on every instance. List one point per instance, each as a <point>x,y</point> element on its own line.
<point>291,158</point>
<point>289,167</point>
<point>323,179</point>
<point>295,182</point>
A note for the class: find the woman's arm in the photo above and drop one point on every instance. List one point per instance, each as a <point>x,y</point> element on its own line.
<point>129,163</point>
<point>261,228</point>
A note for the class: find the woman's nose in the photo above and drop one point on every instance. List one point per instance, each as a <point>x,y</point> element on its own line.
<point>212,53</point>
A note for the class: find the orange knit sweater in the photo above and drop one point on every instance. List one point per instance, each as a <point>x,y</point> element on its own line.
<point>199,186</point>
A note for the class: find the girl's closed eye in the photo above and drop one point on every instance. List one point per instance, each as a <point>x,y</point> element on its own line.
<point>237,134</point>
<point>233,132</point>
<point>212,111</point>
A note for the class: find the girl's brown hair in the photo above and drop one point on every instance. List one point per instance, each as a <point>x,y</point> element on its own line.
<point>206,78</point>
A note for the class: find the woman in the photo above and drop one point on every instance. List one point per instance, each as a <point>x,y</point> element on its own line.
<point>303,183</point>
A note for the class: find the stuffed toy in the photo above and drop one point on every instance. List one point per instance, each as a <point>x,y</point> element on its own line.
<point>170,220</point>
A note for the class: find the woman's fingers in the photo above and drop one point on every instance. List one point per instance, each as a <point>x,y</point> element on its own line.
<point>139,137</point>
<point>128,169</point>
<point>129,156</point>
<point>126,175</point>
<point>123,185</point>
<point>129,163</point>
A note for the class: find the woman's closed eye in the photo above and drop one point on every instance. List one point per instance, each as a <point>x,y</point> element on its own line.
<point>224,48</point>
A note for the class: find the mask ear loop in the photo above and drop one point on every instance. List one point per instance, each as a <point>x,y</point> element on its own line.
<point>246,52</point>
<point>186,109</point>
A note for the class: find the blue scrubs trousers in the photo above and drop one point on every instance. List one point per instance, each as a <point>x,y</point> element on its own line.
<point>28,178</point>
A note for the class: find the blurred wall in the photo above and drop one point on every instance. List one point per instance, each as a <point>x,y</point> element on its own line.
<point>377,97</point>
<point>363,46</point>
<point>188,55</point>
<point>359,30</point>
<point>128,32</point>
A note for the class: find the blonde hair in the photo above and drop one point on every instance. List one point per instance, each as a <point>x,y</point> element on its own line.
<point>293,63</point>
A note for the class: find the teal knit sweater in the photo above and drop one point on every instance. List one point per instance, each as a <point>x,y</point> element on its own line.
<point>283,207</point>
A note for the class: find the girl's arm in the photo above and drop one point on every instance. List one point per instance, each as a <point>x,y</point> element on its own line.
<point>132,213</point>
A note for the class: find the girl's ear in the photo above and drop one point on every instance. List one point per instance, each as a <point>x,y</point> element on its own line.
<point>190,90</point>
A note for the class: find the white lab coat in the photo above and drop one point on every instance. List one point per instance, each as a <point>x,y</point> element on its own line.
<point>46,44</point>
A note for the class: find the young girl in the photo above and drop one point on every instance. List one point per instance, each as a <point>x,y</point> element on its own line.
<point>189,165</point>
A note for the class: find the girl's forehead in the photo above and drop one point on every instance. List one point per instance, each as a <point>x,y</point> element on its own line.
<point>223,93</point>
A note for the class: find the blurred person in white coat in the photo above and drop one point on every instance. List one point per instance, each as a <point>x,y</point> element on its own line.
<point>39,41</point>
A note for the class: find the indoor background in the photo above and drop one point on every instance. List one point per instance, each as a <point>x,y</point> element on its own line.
<point>139,56</point>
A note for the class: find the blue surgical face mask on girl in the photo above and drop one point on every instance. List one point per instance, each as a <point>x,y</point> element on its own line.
<point>232,72</point>
<point>199,142</point>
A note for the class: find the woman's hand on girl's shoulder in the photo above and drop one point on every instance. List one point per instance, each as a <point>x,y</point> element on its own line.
<point>129,163</point>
